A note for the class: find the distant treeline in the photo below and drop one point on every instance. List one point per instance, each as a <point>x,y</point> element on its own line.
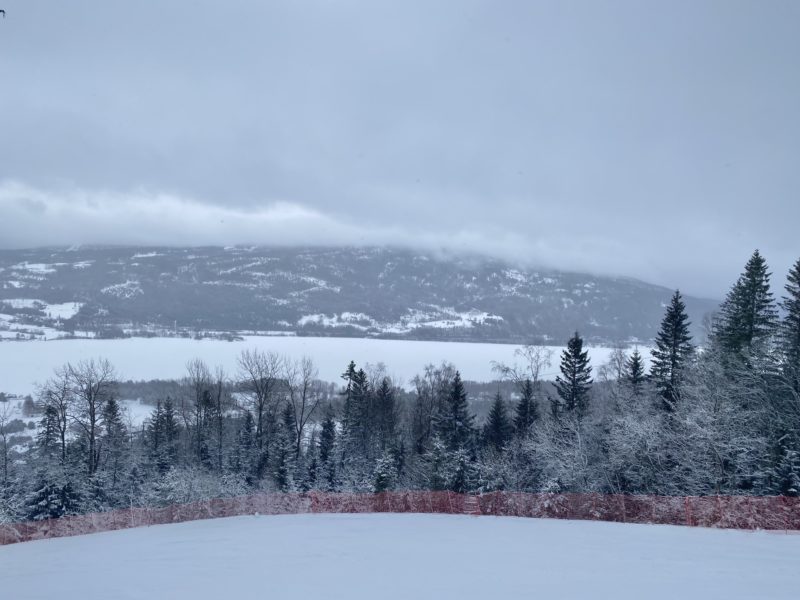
<point>721,419</point>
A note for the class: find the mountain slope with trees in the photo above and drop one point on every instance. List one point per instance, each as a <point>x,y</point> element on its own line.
<point>355,292</point>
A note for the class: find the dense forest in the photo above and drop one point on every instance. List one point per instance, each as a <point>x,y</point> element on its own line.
<point>717,416</point>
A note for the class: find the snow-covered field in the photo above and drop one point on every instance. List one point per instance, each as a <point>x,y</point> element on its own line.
<point>134,413</point>
<point>13,327</point>
<point>22,364</point>
<point>404,556</point>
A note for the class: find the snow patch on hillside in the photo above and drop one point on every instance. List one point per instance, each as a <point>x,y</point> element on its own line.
<point>62,310</point>
<point>436,317</point>
<point>37,268</point>
<point>126,290</point>
<point>345,319</point>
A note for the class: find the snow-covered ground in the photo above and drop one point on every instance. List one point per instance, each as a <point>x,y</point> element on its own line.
<point>405,557</point>
<point>63,310</point>
<point>14,327</point>
<point>134,412</point>
<point>22,364</point>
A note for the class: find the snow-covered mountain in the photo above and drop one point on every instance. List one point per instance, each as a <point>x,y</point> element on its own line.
<point>376,292</point>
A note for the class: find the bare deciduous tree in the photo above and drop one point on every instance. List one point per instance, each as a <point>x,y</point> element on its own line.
<point>56,395</point>
<point>303,394</point>
<point>260,373</point>
<point>535,360</point>
<point>93,383</point>
<point>195,408</point>
<point>431,388</point>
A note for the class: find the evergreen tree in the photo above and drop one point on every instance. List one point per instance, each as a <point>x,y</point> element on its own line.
<point>385,474</point>
<point>203,428</point>
<point>171,431</point>
<point>312,470</point>
<point>787,474</point>
<point>113,445</point>
<point>575,382</point>
<point>356,435</point>
<point>437,463</point>
<point>326,451</point>
<point>47,438</point>
<point>54,495</point>
<point>349,412</point>
<point>162,432</point>
<point>327,437</point>
<point>527,411</point>
<point>399,455</point>
<point>454,423</point>
<point>463,472</point>
<point>634,372</point>
<point>284,467</point>
<point>497,430</point>
<point>790,328</point>
<point>242,461</point>
<point>362,429</point>
<point>748,317</point>
<point>153,431</point>
<point>387,415</point>
<point>672,353</point>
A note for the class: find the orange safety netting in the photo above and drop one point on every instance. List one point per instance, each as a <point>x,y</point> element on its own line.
<point>735,512</point>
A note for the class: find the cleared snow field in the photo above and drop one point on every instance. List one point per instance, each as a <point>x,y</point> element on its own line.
<point>22,364</point>
<point>403,556</point>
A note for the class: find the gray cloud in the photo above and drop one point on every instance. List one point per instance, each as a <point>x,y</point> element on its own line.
<point>656,140</point>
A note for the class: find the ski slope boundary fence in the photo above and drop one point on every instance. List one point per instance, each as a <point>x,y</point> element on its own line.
<point>732,512</point>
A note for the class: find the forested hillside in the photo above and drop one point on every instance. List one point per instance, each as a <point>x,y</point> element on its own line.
<point>355,292</point>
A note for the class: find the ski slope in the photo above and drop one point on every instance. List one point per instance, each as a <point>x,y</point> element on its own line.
<point>404,556</point>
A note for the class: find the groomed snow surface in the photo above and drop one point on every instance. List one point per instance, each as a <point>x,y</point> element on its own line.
<point>404,556</point>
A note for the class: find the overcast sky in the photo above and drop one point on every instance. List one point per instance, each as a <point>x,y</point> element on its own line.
<point>658,140</point>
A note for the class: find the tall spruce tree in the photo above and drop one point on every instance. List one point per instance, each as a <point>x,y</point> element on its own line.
<point>243,459</point>
<point>357,420</point>
<point>47,437</point>
<point>748,317</point>
<point>386,415</point>
<point>672,353</point>
<point>790,328</point>
<point>326,448</point>
<point>113,444</point>
<point>634,372</point>
<point>361,425</point>
<point>575,382</point>
<point>454,423</point>
<point>284,455</point>
<point>162,433</point>
<point>497,430</point>
<point>526,411</point>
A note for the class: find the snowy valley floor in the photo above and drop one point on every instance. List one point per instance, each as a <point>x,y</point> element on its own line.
<point>404,556</point>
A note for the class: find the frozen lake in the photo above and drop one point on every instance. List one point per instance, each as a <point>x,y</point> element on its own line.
<point>23,364</point>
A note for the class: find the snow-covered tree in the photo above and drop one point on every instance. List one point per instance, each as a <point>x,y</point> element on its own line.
<point>748,317</point>
<point>672,353</point>
<point>575,382</point>
<point>498,428</point>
